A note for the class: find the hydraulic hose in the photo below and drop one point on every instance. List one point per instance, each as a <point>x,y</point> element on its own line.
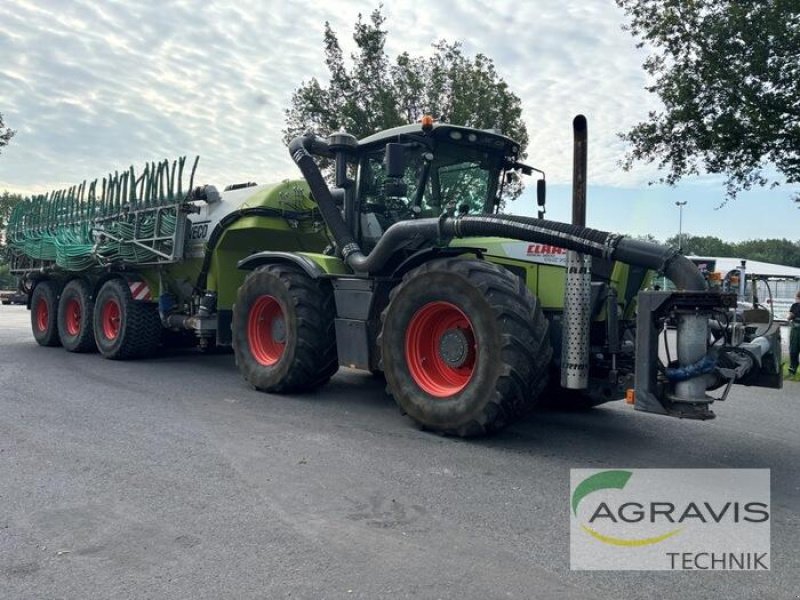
<point>405,234</point>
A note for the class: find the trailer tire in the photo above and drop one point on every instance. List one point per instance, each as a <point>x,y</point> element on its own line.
<point>44,313</point>
<point>75,315</point>
<point>465,347</point>
<point>124,328</point>
<point>283,328</point>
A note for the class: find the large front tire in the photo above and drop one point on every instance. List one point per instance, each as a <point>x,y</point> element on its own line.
<point>124,328</point>
<point>75,314</point>
<point>464,346</point>
<point>284,330</point>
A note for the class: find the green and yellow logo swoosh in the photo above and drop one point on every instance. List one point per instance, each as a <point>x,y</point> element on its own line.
<point>611,480</point>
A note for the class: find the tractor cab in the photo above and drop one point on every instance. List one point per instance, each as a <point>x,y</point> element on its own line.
<point>424,171</point>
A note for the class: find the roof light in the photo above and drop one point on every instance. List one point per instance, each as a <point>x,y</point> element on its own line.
<point>427,122</point>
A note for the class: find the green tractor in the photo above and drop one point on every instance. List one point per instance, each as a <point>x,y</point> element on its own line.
<point>400,264</point>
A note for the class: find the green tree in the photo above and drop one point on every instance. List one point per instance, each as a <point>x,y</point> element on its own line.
<point>728,75</point>
<point>6,133</point>
<point>374,92</point>
<point>779,251</point>
<point>7,203</point>
<point>701,245</point>
<point>7,280</point>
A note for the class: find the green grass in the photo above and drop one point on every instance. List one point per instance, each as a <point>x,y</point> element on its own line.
<point>787,376</point>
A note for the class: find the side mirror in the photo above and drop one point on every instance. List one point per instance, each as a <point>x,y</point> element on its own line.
<point>541,192</point>
<point>395,160</point>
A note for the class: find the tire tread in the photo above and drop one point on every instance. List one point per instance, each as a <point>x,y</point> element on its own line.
<point>525,349</point>
<point>315,360</point>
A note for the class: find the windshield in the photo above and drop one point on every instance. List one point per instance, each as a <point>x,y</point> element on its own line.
<point>464,184</point>
<point>459,178</point>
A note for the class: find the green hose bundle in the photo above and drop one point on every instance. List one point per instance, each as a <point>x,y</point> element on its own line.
<point>129,219</point>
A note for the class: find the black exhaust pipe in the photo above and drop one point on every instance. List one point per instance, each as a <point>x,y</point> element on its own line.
<point>578,282</point>
<point>412,234</point>
<point>579,168</point>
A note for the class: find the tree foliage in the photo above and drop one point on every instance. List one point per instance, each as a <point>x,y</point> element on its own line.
<point>6,133</point>
<point>7,203</point>
<point>373,92</point>
<point>728,74</point>
<point>778,251</point>
<point>7,280</point>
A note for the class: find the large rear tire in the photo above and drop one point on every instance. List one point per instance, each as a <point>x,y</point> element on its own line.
<point>464,346</point>
<point>284,332</point>
<point>75,314</point>
<point>44,313</point>
<point>124,328</point>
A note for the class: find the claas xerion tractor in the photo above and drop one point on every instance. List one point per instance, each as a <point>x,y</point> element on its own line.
<point>399,262</point>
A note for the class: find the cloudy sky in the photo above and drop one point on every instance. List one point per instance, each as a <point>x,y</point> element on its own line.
<point>93,86</point>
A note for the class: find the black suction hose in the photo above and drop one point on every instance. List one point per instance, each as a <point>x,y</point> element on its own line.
<point>410,234</point>
<point>301,149</point>
<point>683,272</point>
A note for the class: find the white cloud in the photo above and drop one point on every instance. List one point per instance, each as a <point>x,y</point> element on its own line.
<point>96,86</point>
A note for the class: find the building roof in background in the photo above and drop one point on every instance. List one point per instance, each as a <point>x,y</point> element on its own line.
<point>752,267</point>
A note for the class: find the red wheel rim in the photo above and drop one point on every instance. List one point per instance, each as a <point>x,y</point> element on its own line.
<point>72,316</point>
<point>110,319</point>
<point>266,331</point>
<point>440,349</point>
<point>42,314</point>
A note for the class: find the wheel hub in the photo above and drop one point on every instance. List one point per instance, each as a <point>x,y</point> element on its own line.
<point>72,315</point>
<point>454,347</point>
<point>42,314</point>
<point>266,330</point>
<point>279,330</point>
<point>111,319</point>
<point>440,349</point>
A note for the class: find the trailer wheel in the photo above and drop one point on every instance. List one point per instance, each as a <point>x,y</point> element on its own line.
<point>44,313</point>
<point>283,330</point>
<point>75,313</point>
<point>465,346</point>
<point>124,328</point>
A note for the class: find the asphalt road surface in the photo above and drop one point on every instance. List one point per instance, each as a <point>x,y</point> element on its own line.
<point>170,478</point>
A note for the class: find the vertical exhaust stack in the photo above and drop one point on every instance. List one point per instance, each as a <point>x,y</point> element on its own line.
<point>742,280</point>
<point>578,286</point>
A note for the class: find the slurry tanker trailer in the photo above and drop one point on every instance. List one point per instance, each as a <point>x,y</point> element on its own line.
<point>398,261</point>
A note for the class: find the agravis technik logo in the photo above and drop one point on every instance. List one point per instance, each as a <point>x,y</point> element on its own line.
<point>670,519</point>
<point>610,480</point>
